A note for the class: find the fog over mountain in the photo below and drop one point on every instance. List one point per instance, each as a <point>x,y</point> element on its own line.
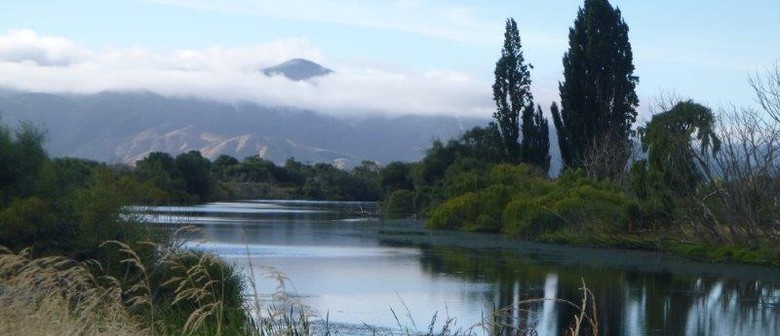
<point>125,126</point>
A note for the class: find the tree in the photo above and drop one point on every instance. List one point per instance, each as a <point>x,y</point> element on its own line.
<point>160,169</point>
<point>667,139</point>
<point>484,143</point>
<point>511,91</point>
<point>598,98</point>
<point>195,172</point>
<point>396,176</point>
<point>535,146</point>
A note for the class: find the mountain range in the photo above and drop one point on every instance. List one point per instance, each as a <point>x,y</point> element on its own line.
<point>124,127</point>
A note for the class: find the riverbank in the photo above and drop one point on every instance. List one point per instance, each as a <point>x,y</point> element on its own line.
<point>765,255</point>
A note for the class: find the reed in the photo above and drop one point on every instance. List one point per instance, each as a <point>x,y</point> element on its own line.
<point>58,296</point>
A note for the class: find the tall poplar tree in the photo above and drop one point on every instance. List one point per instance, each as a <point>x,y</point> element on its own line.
<point>598,98</point>
<point>511,91</point>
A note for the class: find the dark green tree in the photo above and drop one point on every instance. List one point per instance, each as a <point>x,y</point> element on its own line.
<point>195,172</point>
<point>535,146</point>
<point>161,170</point>
<point>598,98</point>
<point>511,91</point>
<point>484,143</point>
<point>396,176</point>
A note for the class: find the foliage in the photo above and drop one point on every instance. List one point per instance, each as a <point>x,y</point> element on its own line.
<point>535,145</point>
<point>195,173</point>
<point>198,291</point>
<point>191,177</point>
<point>667,139</point>
<point>512,91</point>
<point>396,176</point>
<point>519,202</point>
<point>399,204</point>
<point>71,209</point>
<point>22,162</point>
<point>598,98</point>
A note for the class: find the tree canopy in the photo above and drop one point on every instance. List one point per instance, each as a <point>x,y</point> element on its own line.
<point>669,138</point>
<point>598,98</point>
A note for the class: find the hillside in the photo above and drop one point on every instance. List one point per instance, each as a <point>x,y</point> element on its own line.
<point>125,126</point>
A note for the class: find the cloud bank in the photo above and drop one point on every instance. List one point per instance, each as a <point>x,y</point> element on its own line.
<point>32,62</point>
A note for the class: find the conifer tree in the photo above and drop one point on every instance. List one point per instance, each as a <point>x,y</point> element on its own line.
<point>598,98</point>
<point>511,91</point>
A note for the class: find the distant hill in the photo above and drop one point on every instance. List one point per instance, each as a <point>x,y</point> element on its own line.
<point>125,126</point>
<point>297,69</point>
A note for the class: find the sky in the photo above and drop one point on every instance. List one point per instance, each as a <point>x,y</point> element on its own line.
<point>389,56</point>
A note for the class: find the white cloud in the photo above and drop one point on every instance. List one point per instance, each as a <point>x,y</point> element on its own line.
<point>231,75</point>
<point>25,46</point>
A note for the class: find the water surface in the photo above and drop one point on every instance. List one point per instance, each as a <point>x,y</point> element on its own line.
<point>355,271</point>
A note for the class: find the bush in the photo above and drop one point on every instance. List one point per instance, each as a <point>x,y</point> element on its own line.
<point>528,218</point>
<point>456,213</point>
<point>199,292</point>
<point>399,204</point>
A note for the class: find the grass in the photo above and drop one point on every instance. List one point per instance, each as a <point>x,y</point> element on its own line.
<point>56,296</point>
<point>766,255</point>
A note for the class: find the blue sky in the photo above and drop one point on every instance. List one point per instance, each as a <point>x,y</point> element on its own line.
<point>704,50</point>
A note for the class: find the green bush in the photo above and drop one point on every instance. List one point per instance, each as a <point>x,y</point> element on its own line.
<point>530,217</point>
<point>399,204</point>
<point>191,283</point>
<point>456,213</point>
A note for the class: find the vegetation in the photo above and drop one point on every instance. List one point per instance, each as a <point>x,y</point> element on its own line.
<point>598,98</point>
<point>515,112</point>
<point>536,140</point>
<point>704,184</point>
<point>511,91</point>
<point>74,253</point>
<point>189,177</point>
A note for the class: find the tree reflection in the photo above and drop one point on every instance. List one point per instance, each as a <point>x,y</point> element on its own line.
<point>629,302</point>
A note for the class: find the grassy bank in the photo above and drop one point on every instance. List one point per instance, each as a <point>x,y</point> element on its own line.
<point>766,254</point>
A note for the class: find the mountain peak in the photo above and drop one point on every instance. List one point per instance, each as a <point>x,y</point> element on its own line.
<point>297,69</point>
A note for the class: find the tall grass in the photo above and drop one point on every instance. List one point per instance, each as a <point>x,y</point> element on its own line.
<point>57,296</point>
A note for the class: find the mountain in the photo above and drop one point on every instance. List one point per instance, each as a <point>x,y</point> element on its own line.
<point>123,127</point>
<point>297,69</point>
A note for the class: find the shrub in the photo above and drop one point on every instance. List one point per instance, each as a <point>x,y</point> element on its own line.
<point>199,292</point>
<point>529,217</point>
<point>399,204</point>
<point>456,213</point>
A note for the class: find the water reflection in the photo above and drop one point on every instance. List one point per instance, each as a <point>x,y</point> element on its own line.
<point>629,302</point>
<point>356,270</point>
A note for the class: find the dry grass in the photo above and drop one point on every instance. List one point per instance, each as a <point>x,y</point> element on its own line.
<point>57,296</point>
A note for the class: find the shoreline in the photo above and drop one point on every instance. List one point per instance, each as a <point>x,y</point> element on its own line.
<point>568,253</point>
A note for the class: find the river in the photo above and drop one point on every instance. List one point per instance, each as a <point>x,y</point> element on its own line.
<point>369,275</point>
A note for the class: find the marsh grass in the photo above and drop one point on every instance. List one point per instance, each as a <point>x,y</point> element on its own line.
<point>57,296</point>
